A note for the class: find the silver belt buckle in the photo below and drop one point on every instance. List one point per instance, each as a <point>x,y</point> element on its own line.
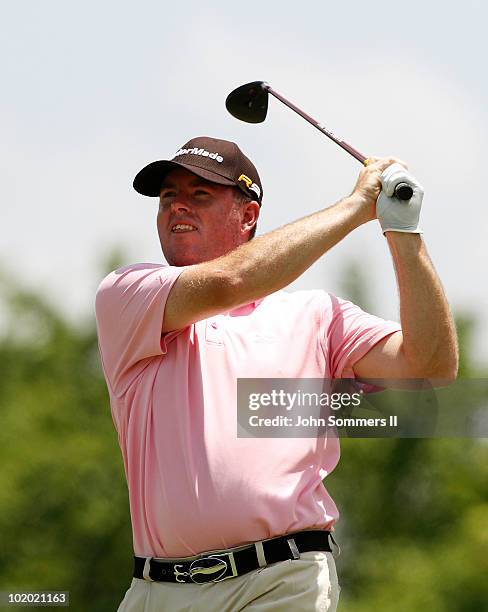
<point>212,568</point>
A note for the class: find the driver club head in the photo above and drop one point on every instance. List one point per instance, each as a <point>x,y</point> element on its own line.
<point>249,102</point>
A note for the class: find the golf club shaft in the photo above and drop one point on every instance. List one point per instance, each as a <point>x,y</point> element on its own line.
<point>403,191</point>
<point>347,147</point>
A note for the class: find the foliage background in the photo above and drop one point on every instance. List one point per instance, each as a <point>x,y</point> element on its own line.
<point>413,532</point>
<point>92,91</point>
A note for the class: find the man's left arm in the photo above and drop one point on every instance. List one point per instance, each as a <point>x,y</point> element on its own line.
<point>427,345</point>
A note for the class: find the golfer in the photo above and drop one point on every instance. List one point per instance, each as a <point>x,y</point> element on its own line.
<point>222,523</point>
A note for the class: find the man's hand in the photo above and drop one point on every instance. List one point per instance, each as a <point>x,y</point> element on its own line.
<point>369,185</point>
<point>397,215</point>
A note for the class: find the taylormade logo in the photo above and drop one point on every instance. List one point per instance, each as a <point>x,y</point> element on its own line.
<point>250,185</point>
<point>202,152</point>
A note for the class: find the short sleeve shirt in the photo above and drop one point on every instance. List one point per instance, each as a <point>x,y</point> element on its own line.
<point>193,484</point>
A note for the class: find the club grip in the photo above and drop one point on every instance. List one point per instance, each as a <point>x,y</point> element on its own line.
<point>403,191</point>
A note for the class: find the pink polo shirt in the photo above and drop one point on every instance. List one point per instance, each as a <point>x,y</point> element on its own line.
<point>193,485</point>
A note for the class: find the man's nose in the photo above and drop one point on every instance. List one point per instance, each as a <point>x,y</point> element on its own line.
<point>180,204</point>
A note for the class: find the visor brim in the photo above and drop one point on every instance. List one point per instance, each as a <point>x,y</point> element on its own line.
<point>148,180</point>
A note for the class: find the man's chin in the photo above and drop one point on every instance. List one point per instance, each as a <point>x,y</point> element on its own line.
<point>185,259</point>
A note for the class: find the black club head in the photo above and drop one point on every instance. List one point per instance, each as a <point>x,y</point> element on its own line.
<point>249,102</point>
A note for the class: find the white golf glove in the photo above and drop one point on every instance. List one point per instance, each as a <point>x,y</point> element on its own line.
<point>397,215</point>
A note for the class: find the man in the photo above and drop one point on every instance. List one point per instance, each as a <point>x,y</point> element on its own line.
<point>174,340</point>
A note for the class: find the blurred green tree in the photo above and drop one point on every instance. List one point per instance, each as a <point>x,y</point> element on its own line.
<point>414,528</point>
<point>414,524</point>
<point>63,500</point>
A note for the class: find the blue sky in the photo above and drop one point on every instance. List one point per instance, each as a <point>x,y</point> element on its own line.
<point>93,91</point>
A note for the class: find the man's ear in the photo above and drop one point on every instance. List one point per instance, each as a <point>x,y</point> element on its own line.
<point>250,216</point>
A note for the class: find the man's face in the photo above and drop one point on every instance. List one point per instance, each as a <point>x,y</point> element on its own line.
<point>197,220</point>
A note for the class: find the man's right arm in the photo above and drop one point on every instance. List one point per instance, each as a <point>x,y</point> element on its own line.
<point>270,262</point>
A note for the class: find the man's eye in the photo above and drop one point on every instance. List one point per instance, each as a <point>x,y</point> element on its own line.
<point>201,192</point>
<point>168,194</point>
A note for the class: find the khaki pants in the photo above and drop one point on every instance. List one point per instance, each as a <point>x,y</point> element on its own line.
<point>307,584</point>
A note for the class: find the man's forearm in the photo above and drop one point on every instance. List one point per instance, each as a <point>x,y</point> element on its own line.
<point>429,335</point>
<point>262,266</point>
<point>271,262</point>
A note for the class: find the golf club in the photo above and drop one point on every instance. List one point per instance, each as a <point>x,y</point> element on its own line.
<point>250,103</point>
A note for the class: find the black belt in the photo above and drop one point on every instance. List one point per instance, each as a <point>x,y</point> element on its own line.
<point>215,566</point>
